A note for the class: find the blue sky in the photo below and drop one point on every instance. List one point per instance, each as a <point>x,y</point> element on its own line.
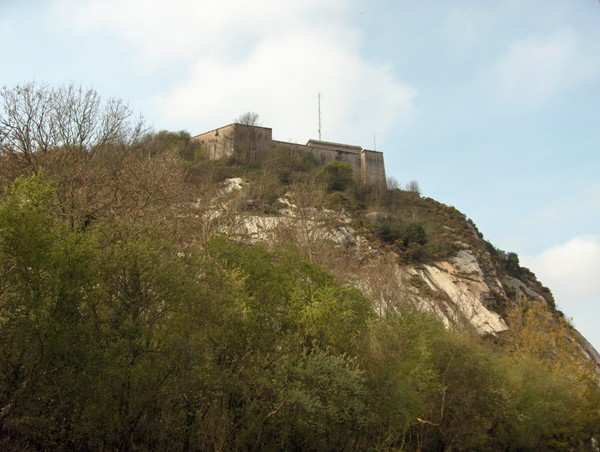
<point>493,107</point>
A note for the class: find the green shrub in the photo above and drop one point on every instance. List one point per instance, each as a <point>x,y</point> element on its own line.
<point>308,162</point>
<point>391,231</point>
<point>338,176</point>
<point>285,176</point>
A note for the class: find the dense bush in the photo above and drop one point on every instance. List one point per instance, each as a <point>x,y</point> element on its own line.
<point>337,176</point>
<point>178,142</point>
<point>406,233</point>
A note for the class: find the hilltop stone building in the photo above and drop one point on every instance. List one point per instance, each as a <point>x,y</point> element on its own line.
<point>250,142</point>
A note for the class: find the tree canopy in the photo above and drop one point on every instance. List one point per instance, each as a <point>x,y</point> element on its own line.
<point>119,336</point>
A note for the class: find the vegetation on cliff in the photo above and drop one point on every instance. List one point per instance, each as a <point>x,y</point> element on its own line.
<point>129,321</point>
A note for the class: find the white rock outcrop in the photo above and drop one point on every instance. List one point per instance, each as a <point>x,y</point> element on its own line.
<point>462,289</point>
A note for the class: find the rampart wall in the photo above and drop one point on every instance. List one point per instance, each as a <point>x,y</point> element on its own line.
<point>252,141</point>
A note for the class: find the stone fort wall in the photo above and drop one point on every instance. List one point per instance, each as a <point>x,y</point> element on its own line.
<point>250,141</point>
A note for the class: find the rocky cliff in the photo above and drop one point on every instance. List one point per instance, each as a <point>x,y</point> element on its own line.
<point>473,287</point>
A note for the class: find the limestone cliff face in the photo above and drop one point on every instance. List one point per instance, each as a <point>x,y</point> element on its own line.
<point>460,291</point>
<point>457,290</point>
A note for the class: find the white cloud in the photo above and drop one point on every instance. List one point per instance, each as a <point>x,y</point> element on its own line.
<point>572,268</point>
<point>536,68</point>
<point>572,271</point>
<point>266,56</point>
<point>280,80</point>
<point>179,28</point>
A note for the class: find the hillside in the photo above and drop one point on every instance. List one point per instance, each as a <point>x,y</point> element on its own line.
<point>152,298</point>
<point>401,250</point>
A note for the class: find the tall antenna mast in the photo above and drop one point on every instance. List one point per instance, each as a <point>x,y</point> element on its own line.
<point>319,103</point>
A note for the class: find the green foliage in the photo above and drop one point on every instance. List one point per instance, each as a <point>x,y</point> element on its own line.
<point>406,233</point>
<point>291,169</point>
<point>308,162</point>
<point>126,333</point>
<point>285,175</point>
<point>512,265</point>
<point>422,229</point>
<point>177,142</point>
<point>409,237</point>
<point>44,342</point>
<point>337,176</point>
<point>123,337</point>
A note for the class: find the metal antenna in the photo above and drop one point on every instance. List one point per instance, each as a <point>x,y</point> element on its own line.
<point>319,102</point>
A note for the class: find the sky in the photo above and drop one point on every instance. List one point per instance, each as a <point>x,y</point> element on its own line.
<point>492,107</point>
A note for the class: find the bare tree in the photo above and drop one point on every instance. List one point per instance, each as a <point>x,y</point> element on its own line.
<point>36,119</point>
<point>392,183</point>
<point>413,186</point>
<point>25,122</point>
<point>92,149</point>
<point>249,118</point>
